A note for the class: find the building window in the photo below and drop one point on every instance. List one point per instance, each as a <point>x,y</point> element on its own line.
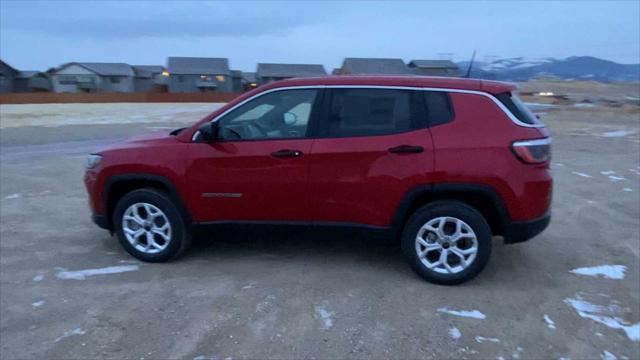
<point>67,80</point>
<point>181,78</point>
<point>204,78</point>
<point>115,80</point>
<point>165,73</point>
<point>220,78</point>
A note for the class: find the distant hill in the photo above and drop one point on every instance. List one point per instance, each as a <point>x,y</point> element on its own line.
<point>575,67</point>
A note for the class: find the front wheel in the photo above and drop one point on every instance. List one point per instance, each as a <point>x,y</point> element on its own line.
<point>447,242</point>
<point>149,226</point>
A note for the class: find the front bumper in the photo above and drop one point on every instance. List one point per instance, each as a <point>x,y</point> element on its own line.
<point>101,221</point>
<point>521,231</point>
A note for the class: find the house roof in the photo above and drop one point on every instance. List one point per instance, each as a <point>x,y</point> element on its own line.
<point>9,66</point>
<point>27,73</point>
<point>147,71</point>
<point>433,64</point>
<point>107,69</point>
<point>249,76</point>
<point>375,66</point>
<point>289,70</point>
<point>155,69</point>
<point>198,66</point>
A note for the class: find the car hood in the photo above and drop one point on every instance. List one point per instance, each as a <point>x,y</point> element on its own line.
<point>142,140</point>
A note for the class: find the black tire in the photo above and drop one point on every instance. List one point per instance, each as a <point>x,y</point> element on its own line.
<point>180,238</point>
<point>458,210</point>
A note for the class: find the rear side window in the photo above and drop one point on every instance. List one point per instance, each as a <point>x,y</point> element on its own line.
<point>439,109</point>
<point>518,108</point>
<point>366,112</point>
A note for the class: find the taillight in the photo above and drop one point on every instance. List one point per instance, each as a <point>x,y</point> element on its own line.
<point>533,151</point>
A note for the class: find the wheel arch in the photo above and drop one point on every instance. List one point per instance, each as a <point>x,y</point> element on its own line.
<point>119,185</point>
<point>481,197</point>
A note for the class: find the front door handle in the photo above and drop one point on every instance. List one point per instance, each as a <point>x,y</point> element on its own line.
<point>286,153</point>
<point>406,149</point>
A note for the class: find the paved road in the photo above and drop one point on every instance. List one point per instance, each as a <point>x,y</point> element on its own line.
<point>302,295</point>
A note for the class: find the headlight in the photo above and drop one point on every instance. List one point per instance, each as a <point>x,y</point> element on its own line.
<point>93,160</point>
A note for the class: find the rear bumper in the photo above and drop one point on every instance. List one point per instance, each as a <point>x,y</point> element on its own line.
<point>521,231</point>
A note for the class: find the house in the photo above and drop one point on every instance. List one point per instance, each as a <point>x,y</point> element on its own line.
<point>267,73</point>
<point>76,77</point>
<point>31,81</point>
<point>434,67</point>
<point>236,81</point>
<point>7,77</point>
<point>249,81</point>
<point>355,66</point>
<point>197,74</point>
<point>149,78</point>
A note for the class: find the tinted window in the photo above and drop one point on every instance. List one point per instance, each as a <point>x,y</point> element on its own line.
<point>276,115</point>
<point>439,109</point>
<point>518,108</point>
<point>363,112</point>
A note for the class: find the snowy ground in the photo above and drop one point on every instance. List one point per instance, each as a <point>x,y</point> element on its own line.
<point>91,114</point>
<point>68,290</point>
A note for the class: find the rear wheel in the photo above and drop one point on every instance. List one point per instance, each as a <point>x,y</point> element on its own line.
<point>447,242</point>
<point>149,226</point>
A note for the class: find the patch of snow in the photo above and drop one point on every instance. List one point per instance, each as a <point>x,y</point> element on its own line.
<point>592,202</point>
<point>627,189</point>
<point>559,164</point>
<point>550,323</point>
<point>76,331</point>
<point>248,286</point>
<point>616,178</point>
<point>539,105</point>
<point>455,333</point>
<point>481,339</point>
<point>516,354</point>
<point>608,172</point>
<point>618,133</point>
<point>607,271</point>
<point>83,274</point>
<point>581,174</point>
<point>583,105</point>
<point>13,196</point>
<point>38,303</point>
<point>464,313</point>
<point>326,316</point>
<point>605,315</point>
<point>608,356</point>
<point>38,277</point>
<point>632,98</point>
<point>635,171</point>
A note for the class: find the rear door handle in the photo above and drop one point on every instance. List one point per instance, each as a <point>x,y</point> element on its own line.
<point>286,153</point>
<point>406,149</point>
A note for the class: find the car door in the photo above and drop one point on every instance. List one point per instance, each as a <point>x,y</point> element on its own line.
<point>373,146</point>
<point>258,169</point>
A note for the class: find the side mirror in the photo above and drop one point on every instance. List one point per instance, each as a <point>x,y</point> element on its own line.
<point>209,131</point>
<point>289,118</point>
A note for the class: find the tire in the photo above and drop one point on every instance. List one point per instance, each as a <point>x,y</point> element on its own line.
<point>144,202</point>
<point>462,263</point>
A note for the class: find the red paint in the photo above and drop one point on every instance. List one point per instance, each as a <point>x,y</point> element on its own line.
<point>353,180</point>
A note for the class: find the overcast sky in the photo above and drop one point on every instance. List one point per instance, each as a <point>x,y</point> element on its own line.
<point>39,35</point>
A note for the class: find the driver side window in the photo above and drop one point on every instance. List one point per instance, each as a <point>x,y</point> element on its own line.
<point>276,115</point>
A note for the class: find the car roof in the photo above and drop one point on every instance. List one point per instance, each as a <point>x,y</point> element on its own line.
<point>492,87</point>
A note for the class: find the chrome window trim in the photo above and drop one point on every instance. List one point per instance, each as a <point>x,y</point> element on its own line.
<point>536,142</point>
<point>504,109</point>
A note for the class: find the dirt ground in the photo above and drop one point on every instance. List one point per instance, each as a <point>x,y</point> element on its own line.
<point>68,290</point>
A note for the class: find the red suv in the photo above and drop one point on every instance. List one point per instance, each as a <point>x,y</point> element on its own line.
<point>443,164</point>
